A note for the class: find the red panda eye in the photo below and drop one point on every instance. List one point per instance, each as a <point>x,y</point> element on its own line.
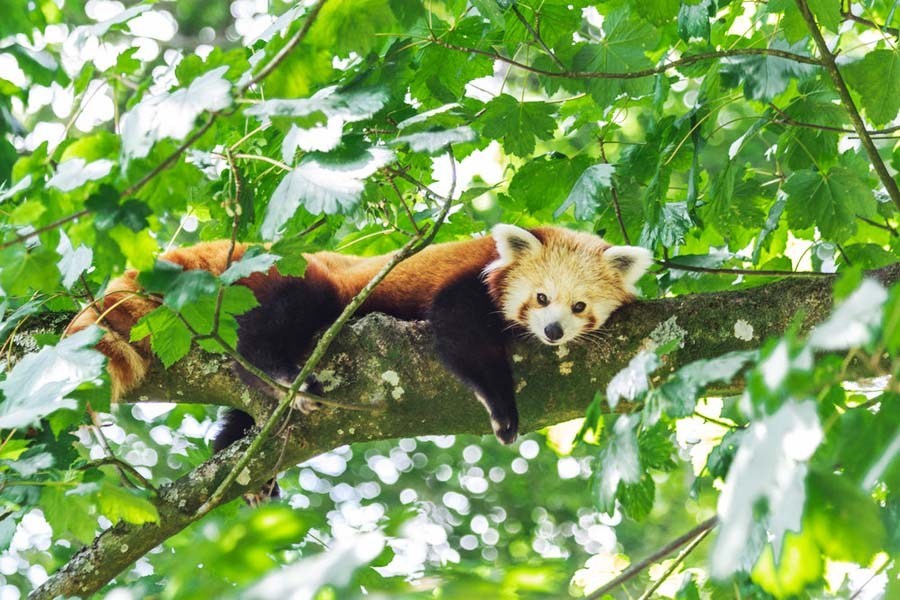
<point>578,307</point>
<point>542,299</point>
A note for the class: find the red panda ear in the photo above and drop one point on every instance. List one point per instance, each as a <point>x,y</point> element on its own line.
<point>630,261</point>
<point>513,243</point>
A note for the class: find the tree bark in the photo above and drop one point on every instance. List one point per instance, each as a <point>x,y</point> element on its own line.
<point>388,368</point>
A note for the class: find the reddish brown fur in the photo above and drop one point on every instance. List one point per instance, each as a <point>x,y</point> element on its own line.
<point>406,292</point>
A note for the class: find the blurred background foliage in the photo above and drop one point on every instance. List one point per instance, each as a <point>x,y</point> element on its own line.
<point>128,128</point>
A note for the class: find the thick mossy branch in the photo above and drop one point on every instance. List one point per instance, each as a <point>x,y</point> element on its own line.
<point>390,366</point>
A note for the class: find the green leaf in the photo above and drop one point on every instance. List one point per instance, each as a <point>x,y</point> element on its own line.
<point>345,27</point>
<point>172,115</point>
<point>618,461</point>
<point>799,564</point>
<point>830,201</point>
<point>435,141</point>
<point>657,12</point>
<point>854,322</point>
<point>117,504</point>
<point>685,386</point>
<point>891,323</point>
<point>623,48</point>
<point>170,338</point>
<point>631,383</point>
<point>68,513</point>
<point>188,287</point>
<point>656,449</point>
<point>516,123</point>
<point>845,522</point>
<point>764,77</point>
<point>637,498</point>
<point>255,260</point>
<point>876,78</point>
<point>177,286</point>
<point>41,382</point>
<point>585,194</point>
<point>545,181</point>
<point>693,20</point>
<point>827,13</point>
<point>292,262</point>
<point>766,481</point>
<point>322,184</point>
<point>73,261</point>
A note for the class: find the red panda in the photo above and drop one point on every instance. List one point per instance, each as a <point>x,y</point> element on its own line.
<point>554,283</point>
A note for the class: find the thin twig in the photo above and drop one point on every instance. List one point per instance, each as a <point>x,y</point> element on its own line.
<point>170,160</point>
<point>719,422</point>
<point>104,443</point>
<point>828,61</point>
<point>849,16</point>
<point>787,119</point>
<point>681,62</point>
<point>663,552</point>
<point>26,236</point>
<point>288,47</point>
<point>675,563</point>
<point>614,192</point>
<point>421,186</point>
<point>266,159</point>
<point>537,37</point>
<point>886,226</point>
<point>120,465</point>
<point>757,272</point>
<point>876,573</point>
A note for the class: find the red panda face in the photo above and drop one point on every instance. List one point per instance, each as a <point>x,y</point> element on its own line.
<point>562,284</point>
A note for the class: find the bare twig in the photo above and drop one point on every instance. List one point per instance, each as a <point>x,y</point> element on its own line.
<point>121,465</point>
<point>849,16</point>
<point>288,48</point>
<point>828,61</point>
<point>875,573</point>
<point>787,119</point>
<point>886,226</point>
<point>663,552</point>
<point>614,192</point>
<point>675,563</point>
<point>681,62</point>
<point>26,236</point>
<point>752,272</point>
<point>537,37</point>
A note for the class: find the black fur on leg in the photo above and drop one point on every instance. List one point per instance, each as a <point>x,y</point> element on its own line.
<point>468,335</point>
<point>276,335</point>
<point>235,425</point>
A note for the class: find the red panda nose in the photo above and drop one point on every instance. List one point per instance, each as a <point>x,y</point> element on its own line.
<point>553,332</point>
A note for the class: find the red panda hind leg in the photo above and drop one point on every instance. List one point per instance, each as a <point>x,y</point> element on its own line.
<point>470,341</point>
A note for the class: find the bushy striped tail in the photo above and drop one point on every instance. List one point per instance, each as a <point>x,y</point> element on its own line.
<point>117,312</point>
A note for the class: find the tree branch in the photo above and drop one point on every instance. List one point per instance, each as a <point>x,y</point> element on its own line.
<point>828,61</point>
<point>384,363</point>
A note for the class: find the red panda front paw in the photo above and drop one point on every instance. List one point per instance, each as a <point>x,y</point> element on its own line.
<point>304,403</point>
<point>506,428</point>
